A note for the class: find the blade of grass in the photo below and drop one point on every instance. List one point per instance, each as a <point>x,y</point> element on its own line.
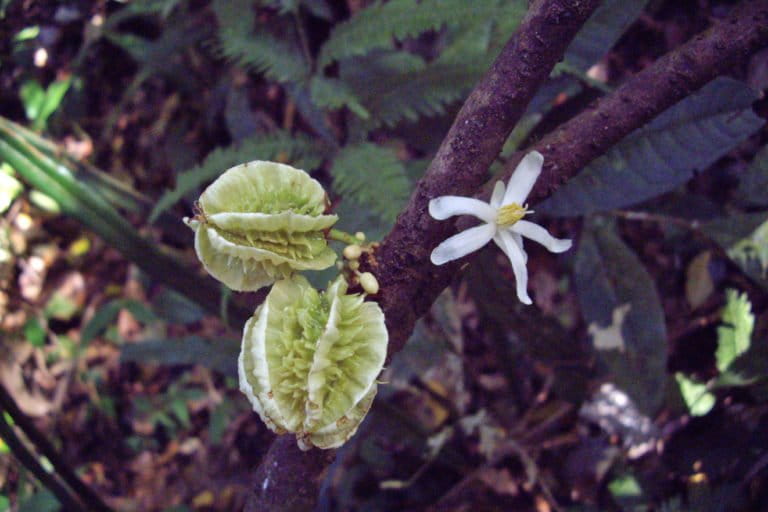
<point>29,461</point>
<point>89,208</point>
<point>89,497</point>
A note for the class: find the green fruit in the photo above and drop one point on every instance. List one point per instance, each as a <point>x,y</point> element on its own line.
<point>259,222</point>
<point>309,361</point>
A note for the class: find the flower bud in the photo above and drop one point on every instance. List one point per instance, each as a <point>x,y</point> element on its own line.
<point>369,283</point>
<point>259,222</point>
<point>309,361</point>
<point>352,252</point>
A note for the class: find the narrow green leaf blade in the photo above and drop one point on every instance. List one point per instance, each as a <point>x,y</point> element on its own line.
<point>735,334</point>
<point>220,356</point>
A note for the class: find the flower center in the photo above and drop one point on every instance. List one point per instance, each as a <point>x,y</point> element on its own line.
<point>510,213</point>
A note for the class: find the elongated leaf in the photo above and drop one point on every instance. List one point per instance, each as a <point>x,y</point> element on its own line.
<point>664,154</point>
<point>107,314</point>
<point>620,304</point>
<point>601,31</point>
<point>373,177</point>
<point>220,355</point>
<point>696,395</point>
<point>298,150</point>
<point>735,335</point>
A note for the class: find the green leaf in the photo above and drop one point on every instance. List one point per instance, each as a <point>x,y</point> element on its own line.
<point>218,420</point>
<point>618,298</point>
<point>697,397</point>
<point>601,31</point>
<point>333,94</point>
<point>627,492</point>
<point>53,96</point>
<point>176,308</point>
<point>27,33</point>
<point>754,183</point>
<point>745,239</point>
<point>60,307</point>
<point>220,355</point>
<point>394,86</point>
<point>373,177</point>
<point>734,336</point>
<point>272,50</point>
<point>380,24</point>
<point>32,96</point>
<point>34,333</point>
<point>298,150</point>
<point>179,408</point>
<point>664,154</point>
<point>107,314</point>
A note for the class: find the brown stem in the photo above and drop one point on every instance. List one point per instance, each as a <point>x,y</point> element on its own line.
<point>659,86</point>
<point>409,282</point>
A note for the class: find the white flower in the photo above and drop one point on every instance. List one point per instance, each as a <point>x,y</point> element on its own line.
<point>503,224</point>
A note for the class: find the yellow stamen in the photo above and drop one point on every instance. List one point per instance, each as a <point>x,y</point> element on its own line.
<point>510,213</point>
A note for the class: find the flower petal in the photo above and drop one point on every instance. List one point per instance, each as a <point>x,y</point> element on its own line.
<point>498,194</point>
<point>522,180</point>
<point>462,244</point>
<point>443,207</point>
<point>517,258</point>
<point>518,240</point>
<point>539,234</point>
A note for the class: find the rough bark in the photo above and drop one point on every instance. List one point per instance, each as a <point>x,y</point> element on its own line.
<point>288,479</point>
<point>409,282</point>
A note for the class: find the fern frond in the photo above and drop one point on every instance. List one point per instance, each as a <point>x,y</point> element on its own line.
<point>255,47</point>
<point>298,150</point>
<point>373,177</point>
<point>396,85</point>
<point>376,26</point>
<point>332,94</point>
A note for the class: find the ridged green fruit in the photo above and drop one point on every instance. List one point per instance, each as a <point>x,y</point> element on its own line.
<point>309,361</point>
<point>259,222</point>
